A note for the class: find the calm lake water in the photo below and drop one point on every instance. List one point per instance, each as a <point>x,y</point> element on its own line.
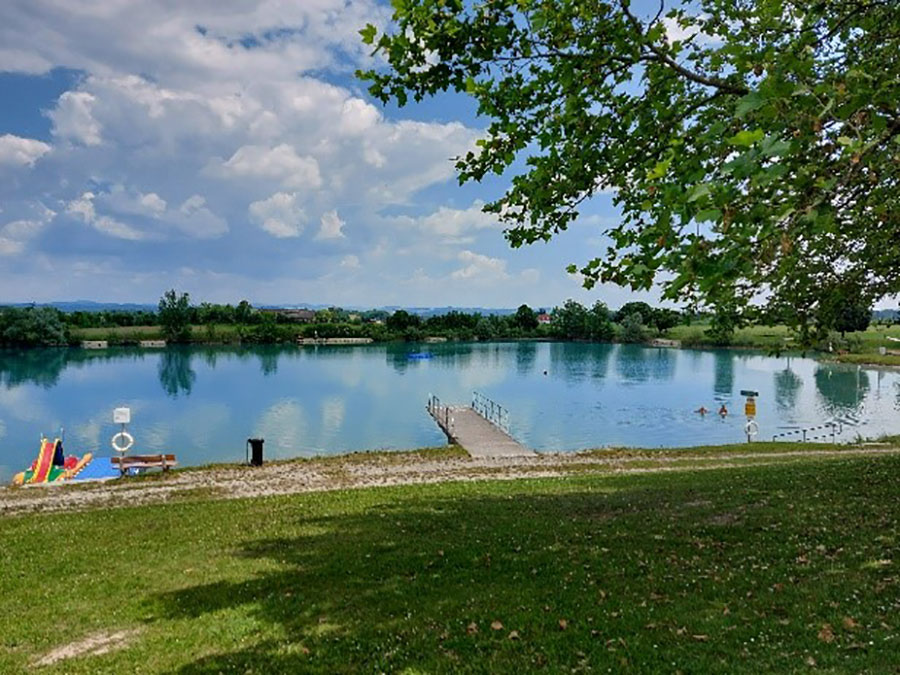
<point>203,403</point>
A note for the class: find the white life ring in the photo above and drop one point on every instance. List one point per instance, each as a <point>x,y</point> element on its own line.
<point>124,435</point>
<point>751,428</point>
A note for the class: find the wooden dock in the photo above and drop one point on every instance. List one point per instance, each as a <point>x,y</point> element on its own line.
<point>481,429</point>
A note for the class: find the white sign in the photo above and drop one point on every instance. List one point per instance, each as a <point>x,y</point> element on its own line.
<point>122,416</point>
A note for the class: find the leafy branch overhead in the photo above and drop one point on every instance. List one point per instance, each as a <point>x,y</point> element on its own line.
<point>752,147</point>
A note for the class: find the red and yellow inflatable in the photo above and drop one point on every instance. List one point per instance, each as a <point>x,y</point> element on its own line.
<point>51,465</point>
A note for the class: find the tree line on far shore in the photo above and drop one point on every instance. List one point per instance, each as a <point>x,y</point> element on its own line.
<point>179,321</point>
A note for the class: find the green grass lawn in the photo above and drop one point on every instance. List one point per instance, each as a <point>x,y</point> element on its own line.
<point>756,569</point>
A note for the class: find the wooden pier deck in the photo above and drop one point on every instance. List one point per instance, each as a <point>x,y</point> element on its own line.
<point>480,429</point>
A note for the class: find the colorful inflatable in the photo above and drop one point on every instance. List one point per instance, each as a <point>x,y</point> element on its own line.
<point>52,466</point>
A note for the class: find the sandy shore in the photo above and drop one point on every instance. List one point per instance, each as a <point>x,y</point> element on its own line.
<point>383,469</point>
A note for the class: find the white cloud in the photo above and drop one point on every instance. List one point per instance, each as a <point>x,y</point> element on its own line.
<point>280,163</point>
<point>350,262</point>
<point>480,267</point>
<point>676,32</point>
<point>280,215</point>
<point>453,223</point>
<point>73,118</point>
<point>18,151</point>
<point>122,200</point>
<point>331,226</point>
<point>16,234</point>
<point>83,208</point>
<point>196,220</point>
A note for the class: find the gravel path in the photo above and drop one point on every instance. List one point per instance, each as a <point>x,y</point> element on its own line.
<point>378,469</point>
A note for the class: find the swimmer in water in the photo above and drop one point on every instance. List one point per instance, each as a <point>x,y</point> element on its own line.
<point>701,410</point>
<point>723,410</point>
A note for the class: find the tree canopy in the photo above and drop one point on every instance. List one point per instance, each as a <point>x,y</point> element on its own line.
<point>175,316</point>
<point>752,147</point>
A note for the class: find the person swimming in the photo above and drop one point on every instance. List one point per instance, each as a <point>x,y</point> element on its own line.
<point>723,411</point>
<point>701,410</point>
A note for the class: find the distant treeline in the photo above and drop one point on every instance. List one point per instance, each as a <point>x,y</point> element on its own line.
<point>178,321</point>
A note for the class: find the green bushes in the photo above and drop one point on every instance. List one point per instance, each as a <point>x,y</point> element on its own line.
<point>32,327</point>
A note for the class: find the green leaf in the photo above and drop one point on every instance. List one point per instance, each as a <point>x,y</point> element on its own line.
<point>708,215</point>
<point>746,138</point>
<point>660,169</point>
<point>772,146</point>
<point>698,191</point>
<point>844,140</point>
<point>749,103</point>
<point>470,85</point>
<point>368,34</point>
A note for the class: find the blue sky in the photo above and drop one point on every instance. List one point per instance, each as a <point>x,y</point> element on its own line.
<point>148,146</point>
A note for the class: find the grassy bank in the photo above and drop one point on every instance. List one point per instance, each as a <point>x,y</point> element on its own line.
<point>748,570</point>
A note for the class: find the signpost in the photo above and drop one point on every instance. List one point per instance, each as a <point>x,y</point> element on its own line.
<point>751,428</point>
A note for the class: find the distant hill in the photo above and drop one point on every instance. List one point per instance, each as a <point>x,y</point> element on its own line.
<point>886,314</point>
<point>91,306</point>
<point>87,306</point>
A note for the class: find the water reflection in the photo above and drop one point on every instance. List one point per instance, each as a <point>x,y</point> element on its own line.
<point>787,386</point>
<point>723,367</point>
<point>637,364</point>
<point>843,390</point>
<point>526,355</point>
<point>175,373</point>
<point>36,366</point>
<point>268,359</point>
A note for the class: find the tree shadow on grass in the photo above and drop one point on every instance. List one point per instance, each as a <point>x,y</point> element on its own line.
<point>587,580</point>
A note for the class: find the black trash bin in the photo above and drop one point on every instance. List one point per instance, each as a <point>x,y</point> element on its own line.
<point>255,451</point>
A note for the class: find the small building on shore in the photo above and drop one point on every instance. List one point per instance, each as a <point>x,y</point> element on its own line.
<point>293,315</point>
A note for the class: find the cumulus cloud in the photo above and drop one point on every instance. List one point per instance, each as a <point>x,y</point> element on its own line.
<point>196,220</point>
<point>452,224</point>
<point>73,118</point>
<point>480,267</point>
<point>14,235</point>
<point>331,226</point>
<point>281,163</point>
<point>83,209</point>
<point>18,151</point>
<point>280,215</point>
<point>184,119</point>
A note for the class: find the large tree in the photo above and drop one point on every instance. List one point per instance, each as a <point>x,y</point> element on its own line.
<point>175,316</point>
<point>752,146</point>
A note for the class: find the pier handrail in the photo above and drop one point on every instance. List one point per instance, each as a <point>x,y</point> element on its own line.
<point>490,410</point>
<point>835,428</point>
<point>440,413</point>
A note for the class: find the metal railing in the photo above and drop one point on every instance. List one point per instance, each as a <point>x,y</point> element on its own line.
<point>440,413</point>
<point>490,410</point>
<point>832,430</point>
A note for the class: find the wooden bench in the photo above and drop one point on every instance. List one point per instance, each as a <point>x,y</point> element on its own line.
<point>164,462</point>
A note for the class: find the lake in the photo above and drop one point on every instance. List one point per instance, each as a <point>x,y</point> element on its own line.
<point>202,403</point>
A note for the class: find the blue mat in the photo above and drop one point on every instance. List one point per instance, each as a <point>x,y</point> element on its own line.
<point>98,469</point>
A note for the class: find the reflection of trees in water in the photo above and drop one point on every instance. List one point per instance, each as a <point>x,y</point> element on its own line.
<point>842,389</point>
<point>268,359</point>
<point>526,355</point>
<point>32,366</point>
<point>446,355</point>
<point>43,367</point>
<point>568,360</point>
<point>210,356</point>
<point>787,384</point>
<point>175,373</point>
<point>723,365</point>
<point>635,363</point>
